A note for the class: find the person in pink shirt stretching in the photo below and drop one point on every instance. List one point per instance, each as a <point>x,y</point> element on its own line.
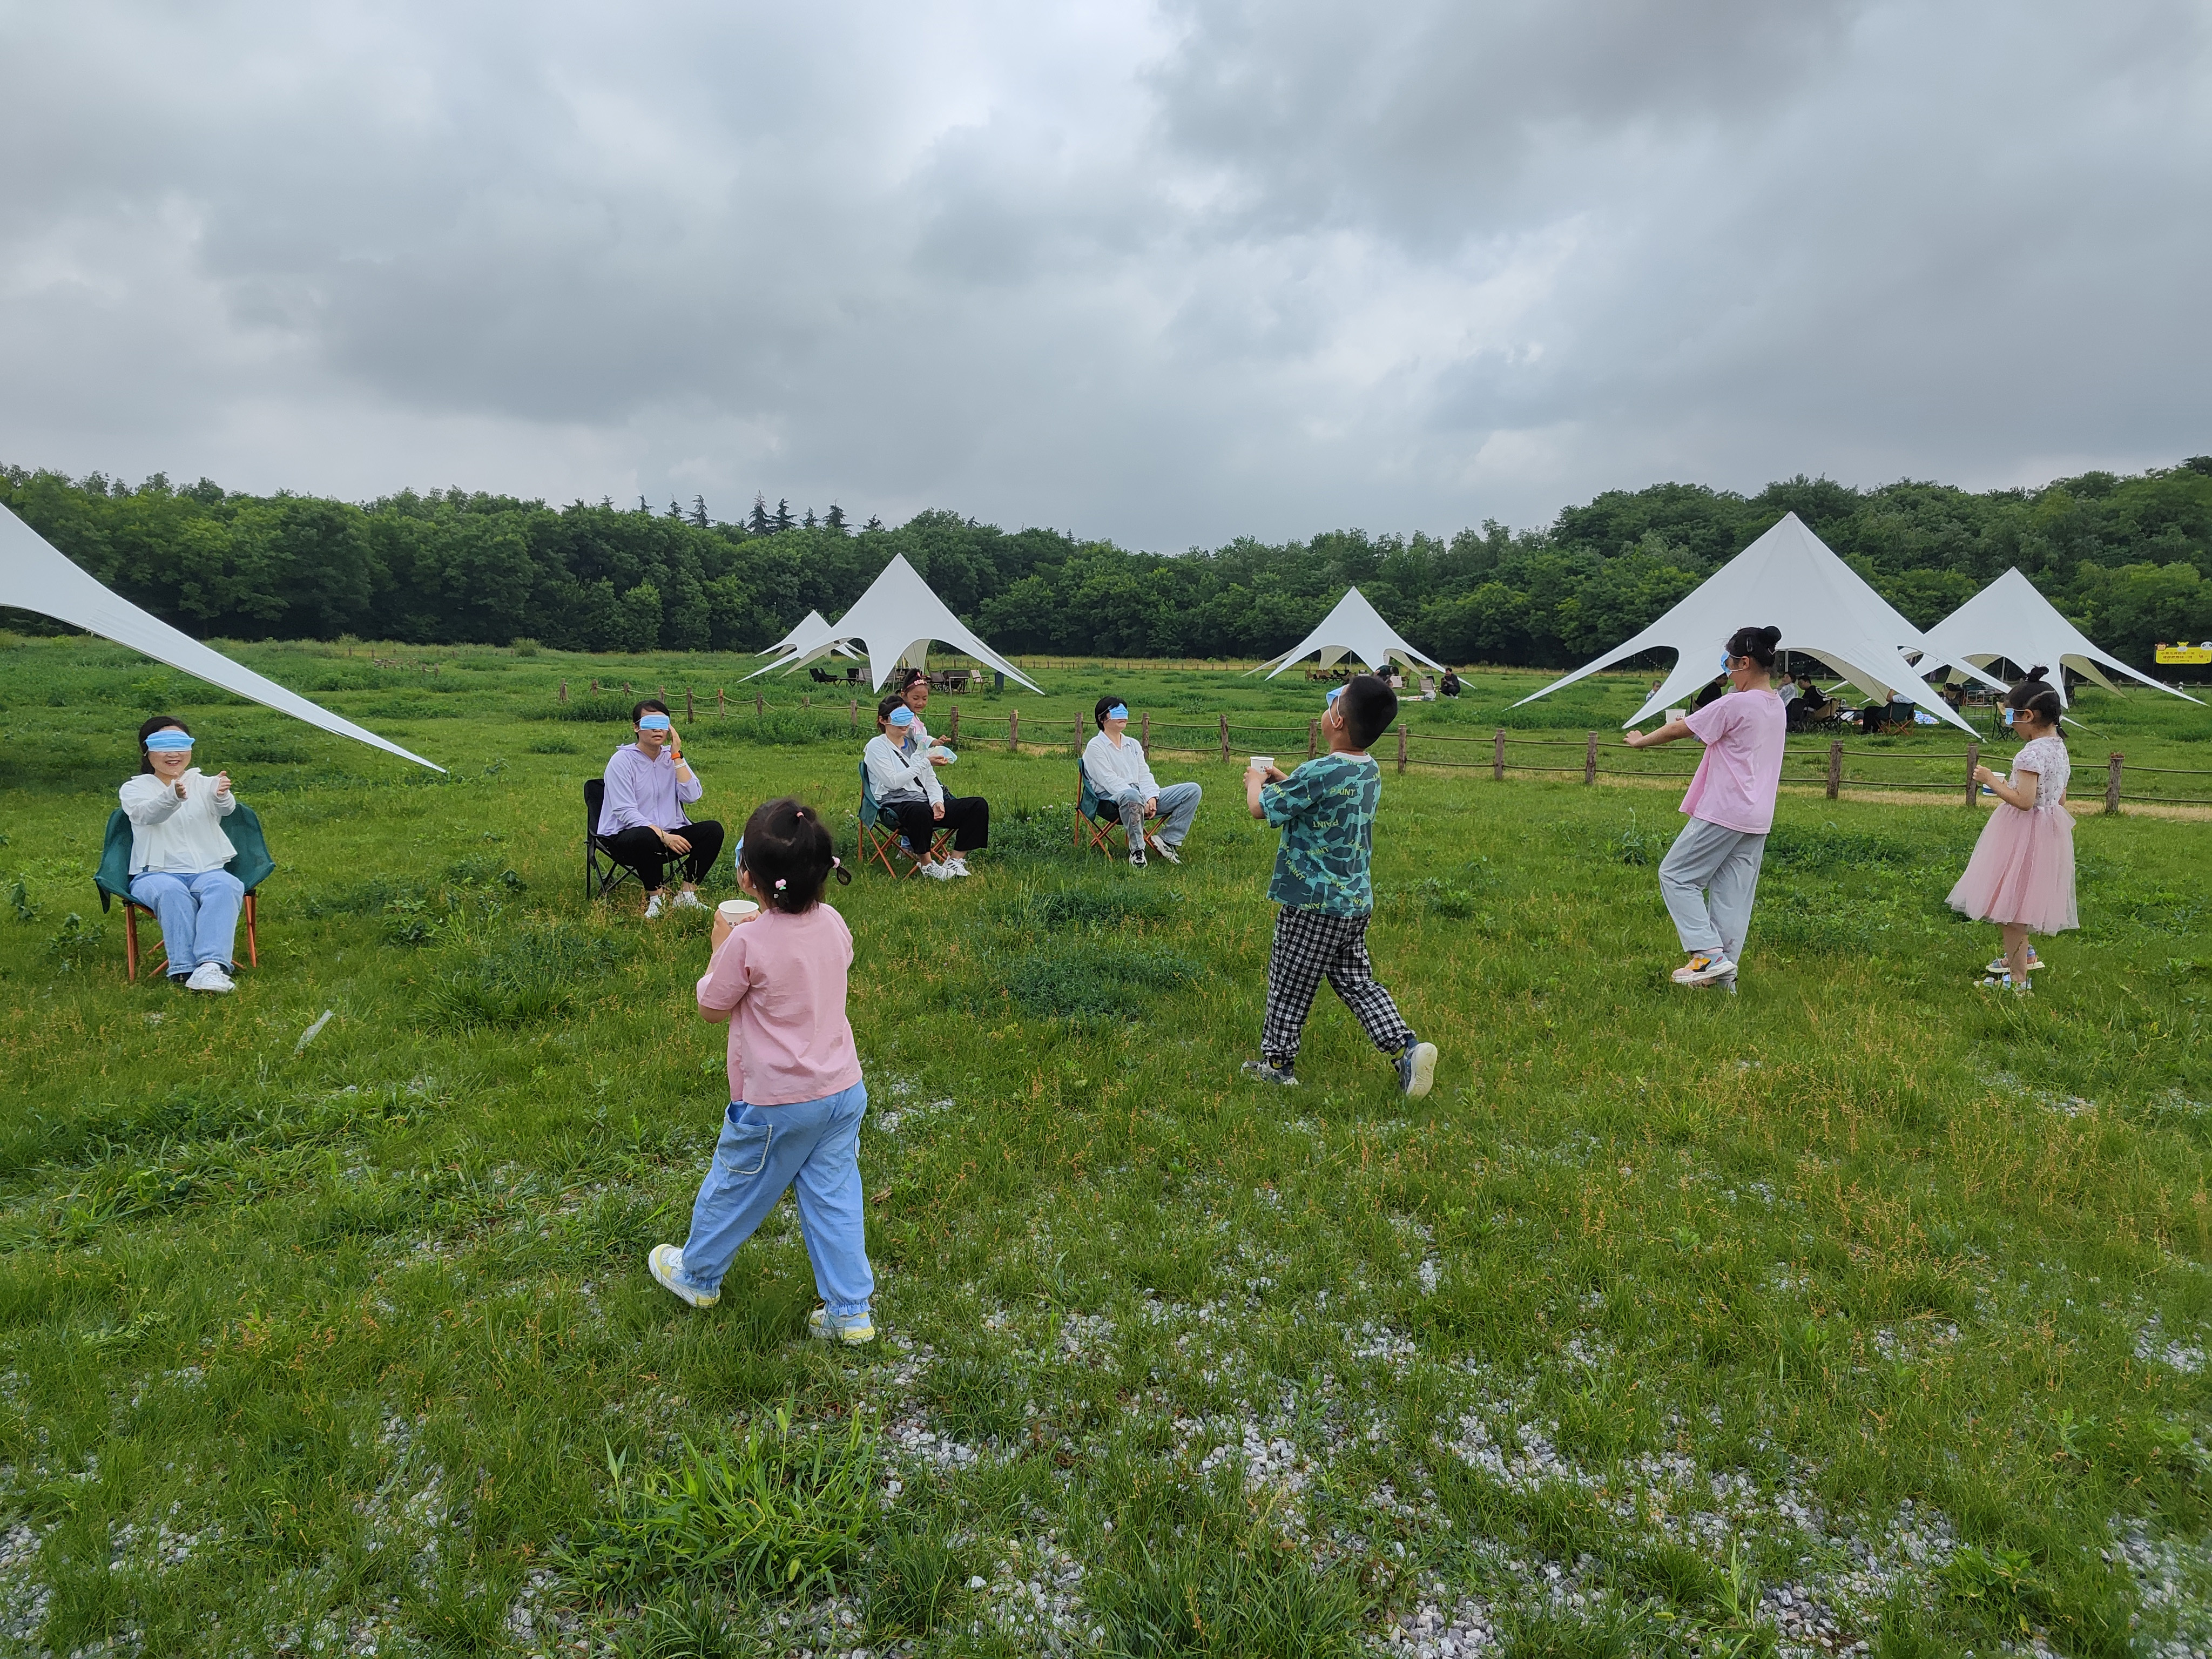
<point>796,1097</point>
<point>1711,874</point>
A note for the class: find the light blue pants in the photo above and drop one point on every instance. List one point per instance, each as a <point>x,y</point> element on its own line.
<point>199,915</point>
<point>1709,878</point>
<point>812,1145</point>
<point>1178,806</point>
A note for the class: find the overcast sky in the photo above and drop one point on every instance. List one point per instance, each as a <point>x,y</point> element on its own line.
<point>1166,274</point>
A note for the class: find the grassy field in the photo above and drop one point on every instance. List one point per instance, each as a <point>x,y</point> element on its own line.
<point>1857,1311</point>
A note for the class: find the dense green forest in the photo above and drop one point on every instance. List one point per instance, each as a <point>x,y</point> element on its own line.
<point>2126,557</point>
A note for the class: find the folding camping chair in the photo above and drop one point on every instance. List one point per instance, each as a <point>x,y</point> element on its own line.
<point>880,839</point>
<point>1097,817</point>
<point>602,874</point>
<point>249,862</point>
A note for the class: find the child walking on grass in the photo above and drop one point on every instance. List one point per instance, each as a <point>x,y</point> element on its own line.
<point>1326,810</point>
<point>796,1098</point>
<point>2021,873</point>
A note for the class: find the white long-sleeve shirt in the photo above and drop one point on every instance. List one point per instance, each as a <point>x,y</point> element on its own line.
<point>182,838</point>
<point>896,773</point>
<point>1114,769</point>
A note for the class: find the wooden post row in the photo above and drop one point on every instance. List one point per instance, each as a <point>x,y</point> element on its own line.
<point>1589,759</point>
<point>1973,760</point>
<point>1497,758</point>
<point>1835,767</point>
<point>2112,783</point>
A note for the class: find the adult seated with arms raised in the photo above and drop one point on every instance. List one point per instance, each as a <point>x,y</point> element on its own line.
<point>1119,774</point>
<point>903,779</point>
<point>178,852</point>
<point>641,820</point>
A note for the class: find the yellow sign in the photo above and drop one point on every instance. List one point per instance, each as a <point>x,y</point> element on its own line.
<point>2185,654</point>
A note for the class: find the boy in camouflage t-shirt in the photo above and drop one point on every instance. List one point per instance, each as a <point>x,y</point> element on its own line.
<point>1326,810</point>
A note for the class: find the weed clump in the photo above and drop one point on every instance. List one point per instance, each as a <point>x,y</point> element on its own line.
<point>531,974</point>
<point>1087,980</point>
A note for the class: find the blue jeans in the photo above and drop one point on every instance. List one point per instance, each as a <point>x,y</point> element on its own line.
<point>1178,806</point>
<point>199,915</point>
<point>812,1145</point>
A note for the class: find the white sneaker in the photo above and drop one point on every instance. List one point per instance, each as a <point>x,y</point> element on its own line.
<point>1703,969</point>
<point>956,865</point>
<point>1164,850</point>
<point>654,905</point>
<point>667,1264</point>
<point>936,871</point>
<point>209,976</point>
<point>686,899</point>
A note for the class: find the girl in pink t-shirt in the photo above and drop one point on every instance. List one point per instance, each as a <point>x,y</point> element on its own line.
<point>1711,874</point>
<point>796,1097</point>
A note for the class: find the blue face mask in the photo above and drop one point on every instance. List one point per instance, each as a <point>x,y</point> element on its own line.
<point>652,723</point>
<point>169,741</point>
<point>1117,713</point>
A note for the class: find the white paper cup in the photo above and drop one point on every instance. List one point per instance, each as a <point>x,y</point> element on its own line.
<point>734,911</point>
<point>1678,713</point>
<point>1263,763</point>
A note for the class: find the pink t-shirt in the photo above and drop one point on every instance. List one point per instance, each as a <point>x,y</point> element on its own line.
<point>785,978</point>
<point>1743,763</point>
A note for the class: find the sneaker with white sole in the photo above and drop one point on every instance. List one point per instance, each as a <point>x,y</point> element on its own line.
<point>2001,982</point>
<point>655,905</point>
<point>667,1264</point>
<point>851,1330</point>
<point>209,976</point>
<point>1164,850</point>
<point>1417,1069</point>
<point>935,871</point>
<point>1137,857</point>
<point>956,865</point>
<point>686,899</point>
<point>1266,1071</point>
<point>1703,969</point>
<point>2000,966</point>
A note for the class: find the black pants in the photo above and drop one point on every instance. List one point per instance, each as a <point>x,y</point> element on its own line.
<point>640,850</point>
<point>969,817</point>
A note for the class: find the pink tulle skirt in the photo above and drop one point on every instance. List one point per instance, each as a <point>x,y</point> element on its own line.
<point>2022,871</point>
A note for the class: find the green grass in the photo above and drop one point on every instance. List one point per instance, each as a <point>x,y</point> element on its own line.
<point>1857,1286</point>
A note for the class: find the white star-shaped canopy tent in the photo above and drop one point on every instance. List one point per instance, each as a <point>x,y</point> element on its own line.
<point>35,576</point>
<point>1791,579</point>
<point>1353,628</point>
<point>2012,620</point>
<point>810,641</point>
<point>895,622</point>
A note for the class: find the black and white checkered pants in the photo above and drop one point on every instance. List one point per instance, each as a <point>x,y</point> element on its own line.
<point>1310,947</point>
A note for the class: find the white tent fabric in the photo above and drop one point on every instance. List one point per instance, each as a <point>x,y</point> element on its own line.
<point>1353,628</point>
<point>896,619</point>
<point>35,576</point>
<point>2011,618</point>
<point>1791,579</point>
<point>810,640</point>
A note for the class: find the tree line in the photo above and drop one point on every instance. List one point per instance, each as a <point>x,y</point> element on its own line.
<point>2126,557</point>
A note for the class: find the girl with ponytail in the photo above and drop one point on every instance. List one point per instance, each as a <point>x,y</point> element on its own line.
<point>1711,874</point>
<point>2021,873</point>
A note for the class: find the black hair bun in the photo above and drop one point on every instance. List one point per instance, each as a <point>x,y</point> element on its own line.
<point>1769,637</point>
<point>2038,671</point>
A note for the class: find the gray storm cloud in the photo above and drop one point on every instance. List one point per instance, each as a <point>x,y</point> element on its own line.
<point>1169,274</point>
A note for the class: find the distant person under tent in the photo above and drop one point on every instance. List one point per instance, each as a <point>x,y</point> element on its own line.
<point>642,820</point>
<point>1119,772</point>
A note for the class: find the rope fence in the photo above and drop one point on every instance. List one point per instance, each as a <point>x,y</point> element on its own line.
<point>1839,768</point>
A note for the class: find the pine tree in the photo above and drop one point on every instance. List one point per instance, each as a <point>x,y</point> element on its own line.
<point>783,519</point>
<point>809,520</point>
<point>834,518</point>
<point>873,523</point>
<point>674,511</point>
<point>643,506</point>
<point>699,519</point>
<point>756,520</point>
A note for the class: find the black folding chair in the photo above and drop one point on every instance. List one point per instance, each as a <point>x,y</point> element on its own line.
<point>602,874</point>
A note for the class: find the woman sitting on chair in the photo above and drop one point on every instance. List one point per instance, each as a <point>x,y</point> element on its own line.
<point>642,819</point>
<point>177,855</point>
<point>1120,776</point>
<point>903,779</point>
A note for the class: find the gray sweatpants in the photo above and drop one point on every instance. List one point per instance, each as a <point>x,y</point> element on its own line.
<point>1709,878</point>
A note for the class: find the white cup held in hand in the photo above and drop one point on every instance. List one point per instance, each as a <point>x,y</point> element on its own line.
<point>1263,763</point>
<point>734,911</point>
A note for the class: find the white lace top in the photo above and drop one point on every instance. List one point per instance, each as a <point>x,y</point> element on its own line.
<point>2047,758</point>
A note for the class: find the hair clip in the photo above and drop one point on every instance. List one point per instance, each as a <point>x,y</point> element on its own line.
<point>779,884</point>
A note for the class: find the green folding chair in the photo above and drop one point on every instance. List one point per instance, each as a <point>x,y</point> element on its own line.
<point>1099,817</point>
<point>879,837</point>
<point>249,862</point>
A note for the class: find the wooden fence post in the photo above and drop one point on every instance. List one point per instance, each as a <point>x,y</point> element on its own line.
<point>661,692</point>
<point>595,688</point>
<point>1145,734</point>
<point>852,720</point>
<point>721,704</point>
<point>1078,737</point>
<point>626,690</point>
<point>1013,731</point>
<point>1973,760</point>
<point>953,736</point>
<point>1589,759</point>
<point>2112,784</point>
<point>1401,749</point>
<point>690,713</point>
<point>1313,738</point>
<point>1224,737</point>
<point>806,700</point>
<point>760,705</point>
<point>1835,766</point>
<point>564,690</point>
<point>1498,758</point>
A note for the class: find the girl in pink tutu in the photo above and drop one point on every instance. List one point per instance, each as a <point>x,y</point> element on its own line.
<point>2022,874</point>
